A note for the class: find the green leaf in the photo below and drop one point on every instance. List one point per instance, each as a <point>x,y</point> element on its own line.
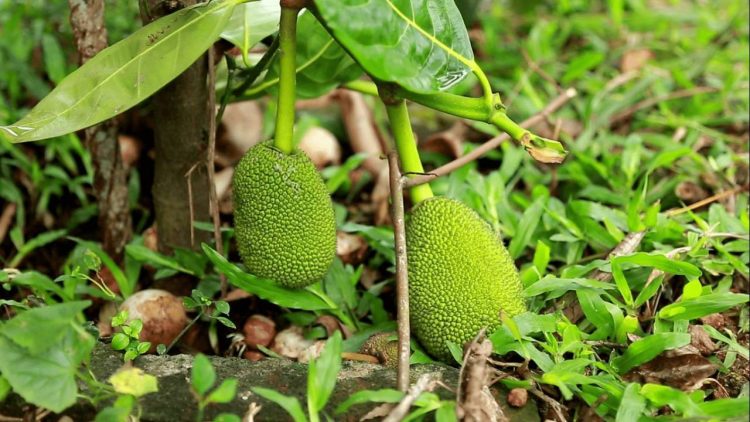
<point>632,404</point>
<point>143,254</point>
<point>446,412</point>
<point>225,392</point>
<point>37,242</point>
<point>227,417</point>
<point>385,395</point>
<point>48,325</point>
<point>659,262</point>
<point>581,64</point>
<point>54,58</point>
<point>661,395</point>
<point>322,64</point>
<point>526,227</point>
<point>266,289</point>
<point>290,404</point>
<point>41,282</point>
<point>134,381</point>
<point>648,348</point>
<point>250,23</point>
<point>4,388</point>
<point>202,376</point>
<point>727,409</point>
<point>126,287</point>
<point>562,285</point>
<point>48,379</point>
<point>702,306</point>
<point>322,374</point>
<point>422,46</point>
<point>120,341</point>
<point>126,73</point>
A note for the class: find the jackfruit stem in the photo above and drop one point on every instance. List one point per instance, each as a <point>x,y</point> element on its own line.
<point>284,138</point>
<point>406,146</point>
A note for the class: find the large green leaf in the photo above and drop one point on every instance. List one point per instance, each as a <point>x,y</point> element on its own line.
<point>322,64</point>
<point>421,45</point>
<point>46,379</point>
<point>126,73</point>
<point>251,22</point>
<point>48,325</point>
<point>266,289</point>
<point>701,306</point>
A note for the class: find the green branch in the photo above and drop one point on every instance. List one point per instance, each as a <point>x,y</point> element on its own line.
<point>406,145</point>
<point>284,140</point>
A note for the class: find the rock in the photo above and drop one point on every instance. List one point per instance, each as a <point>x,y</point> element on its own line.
<point>174,400</point>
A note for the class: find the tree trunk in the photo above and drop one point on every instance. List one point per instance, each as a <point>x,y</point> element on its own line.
<point>180,114</point>
<point>110,175</point>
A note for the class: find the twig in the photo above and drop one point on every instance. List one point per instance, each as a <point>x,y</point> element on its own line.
<point>627,246</point>
<point>493,143</point>
<point>425,383</point>
<point>473,402</point>
<point>402,277</point>
<point>536,68</point>
<point>602,343</point>
<point>252,411</point>
<point>6,218</point>
<point>110,173</point>
<point>650,102</point>
<point>556,406</point>
<point>210,167</point>
<point>191,207</point>
<point>710,199</point>
<point>359,357</point>
<point>252,74</point>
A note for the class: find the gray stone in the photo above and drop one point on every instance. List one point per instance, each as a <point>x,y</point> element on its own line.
<point>175,401</point>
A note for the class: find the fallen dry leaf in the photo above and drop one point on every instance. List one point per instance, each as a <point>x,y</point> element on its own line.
<point>634,60</point>
<point>321,146</point>
<point>242,125</point>
<point>682,368</point>
<point>350,248</point>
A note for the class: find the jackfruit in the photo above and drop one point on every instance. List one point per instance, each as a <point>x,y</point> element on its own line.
<point>383,346</point>
<point>284,222</point>
<point>460,275</point>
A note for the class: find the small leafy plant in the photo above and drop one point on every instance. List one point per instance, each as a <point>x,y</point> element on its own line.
<point>202,380</point>
<point>128,339</point>
<point>321,380</point>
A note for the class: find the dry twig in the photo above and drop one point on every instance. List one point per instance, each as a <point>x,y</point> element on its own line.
<point>402,278</point>
<point>425,383</point>
<point>475,402</point>
<point>6,218</point>
<point>210,169</point>
<point>719,196</point>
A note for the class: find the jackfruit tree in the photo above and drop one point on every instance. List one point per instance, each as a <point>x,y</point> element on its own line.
<point>462,279</point>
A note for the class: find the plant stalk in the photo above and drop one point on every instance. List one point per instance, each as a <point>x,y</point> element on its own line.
<point>402,276</point>
<point>406,146</point>
<point>284,139</point>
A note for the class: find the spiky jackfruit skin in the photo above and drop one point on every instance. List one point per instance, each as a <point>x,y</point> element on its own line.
<point>383,346</point>
<point>283,216</point>
<point>460,275</point>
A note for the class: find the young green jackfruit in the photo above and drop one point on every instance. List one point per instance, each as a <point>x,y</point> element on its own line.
<point>460,275</point>
<point>283,216</point>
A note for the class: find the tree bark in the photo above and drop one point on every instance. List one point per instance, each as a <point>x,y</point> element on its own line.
<point>181,185</point>
<point>110,175</point>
